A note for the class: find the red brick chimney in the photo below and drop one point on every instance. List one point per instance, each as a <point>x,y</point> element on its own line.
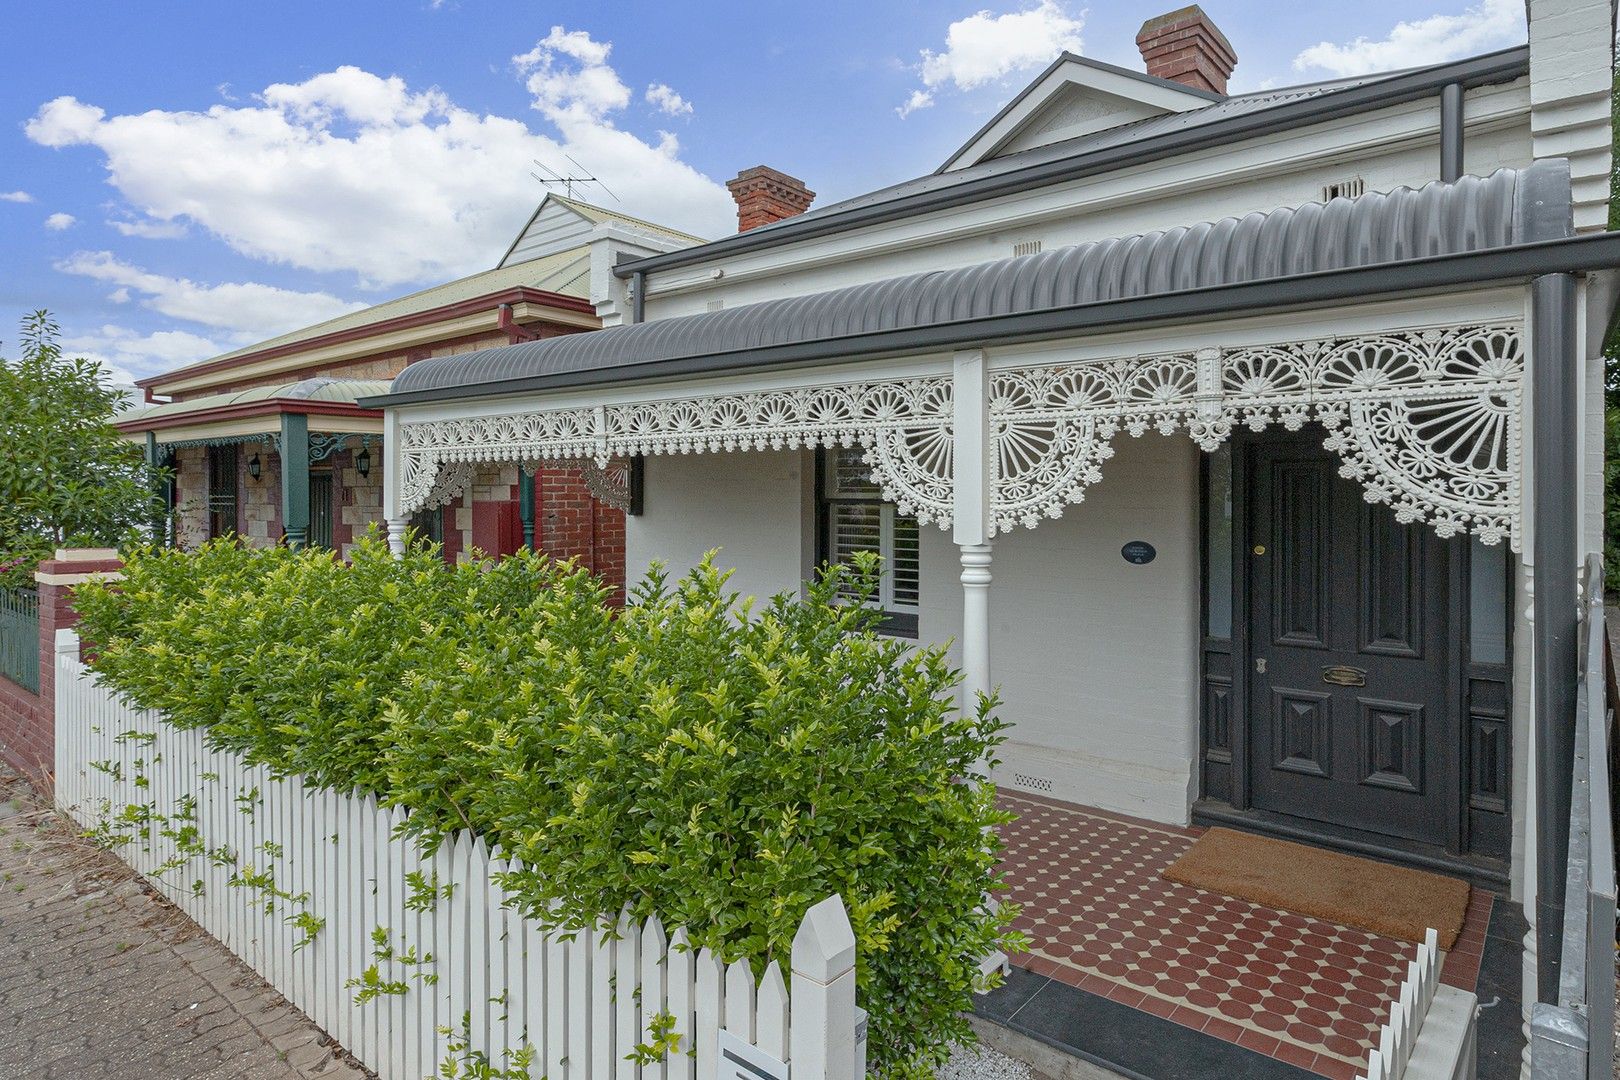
<point>1186,47</point>
<point>764,195</point>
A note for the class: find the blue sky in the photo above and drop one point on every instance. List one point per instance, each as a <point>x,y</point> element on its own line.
<point>180,179</point>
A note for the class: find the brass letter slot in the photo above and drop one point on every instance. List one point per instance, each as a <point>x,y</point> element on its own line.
<point>1344,675</point>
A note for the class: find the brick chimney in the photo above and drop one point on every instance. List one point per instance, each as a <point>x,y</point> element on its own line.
<point>764,195</point>
<point>1186,47</point>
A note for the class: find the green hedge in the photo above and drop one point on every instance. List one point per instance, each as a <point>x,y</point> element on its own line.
<point>721,763</point>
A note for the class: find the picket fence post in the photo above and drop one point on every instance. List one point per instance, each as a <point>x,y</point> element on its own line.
<point>822,1039</point>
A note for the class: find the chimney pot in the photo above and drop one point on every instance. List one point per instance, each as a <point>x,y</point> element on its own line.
<point>1185,46</point>
<point>765,195</point>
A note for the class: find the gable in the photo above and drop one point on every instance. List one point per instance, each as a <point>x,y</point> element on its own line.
<point>555,226</point>
<point>1075,97</point>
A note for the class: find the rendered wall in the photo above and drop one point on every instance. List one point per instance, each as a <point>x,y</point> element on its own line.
<point>749,504</point>
<point>1097,659</point>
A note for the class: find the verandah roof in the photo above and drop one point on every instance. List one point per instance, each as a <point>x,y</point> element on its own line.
<point>1472,214</point>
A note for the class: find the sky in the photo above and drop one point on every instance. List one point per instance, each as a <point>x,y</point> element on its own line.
<point>182,179</point>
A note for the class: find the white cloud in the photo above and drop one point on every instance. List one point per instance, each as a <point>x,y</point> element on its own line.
<point>984,48</point>
<point>248,309</point>
<point>351,171</point>
<point>151,229</point>
<point>1489,24</point>
<point>59,221</point>
<point>919,99</point>
<point>129,355</point>
<point>665,99</point>
<point>15,196</point>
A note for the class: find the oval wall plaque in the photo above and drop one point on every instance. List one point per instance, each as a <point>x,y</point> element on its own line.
<point>1139,552</point>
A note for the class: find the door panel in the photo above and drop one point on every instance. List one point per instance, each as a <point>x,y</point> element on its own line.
<point>1350,652</point>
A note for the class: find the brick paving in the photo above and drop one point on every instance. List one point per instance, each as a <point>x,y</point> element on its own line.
<point>101,978</point>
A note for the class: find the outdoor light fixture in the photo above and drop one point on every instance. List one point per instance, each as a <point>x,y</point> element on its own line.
<point>254,467</point>
<point>362,461</point>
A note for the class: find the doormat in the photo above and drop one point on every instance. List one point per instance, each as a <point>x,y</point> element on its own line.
<point>1395,901</point>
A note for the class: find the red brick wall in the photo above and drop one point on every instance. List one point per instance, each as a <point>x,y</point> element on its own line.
<point>28,721</point>
<point>569,523</point>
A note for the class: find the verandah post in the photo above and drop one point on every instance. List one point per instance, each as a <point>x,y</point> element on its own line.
<point>822,1038</point>
<point>972,483</point>
<point>392,472</point>
<point>295,478</point>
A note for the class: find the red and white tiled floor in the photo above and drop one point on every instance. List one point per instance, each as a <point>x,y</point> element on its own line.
<point>1099,917</point>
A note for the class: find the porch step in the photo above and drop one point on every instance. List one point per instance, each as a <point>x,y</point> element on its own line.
<point>1068,1034</point>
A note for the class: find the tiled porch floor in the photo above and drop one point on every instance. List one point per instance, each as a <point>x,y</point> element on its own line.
<point>1099,917</point>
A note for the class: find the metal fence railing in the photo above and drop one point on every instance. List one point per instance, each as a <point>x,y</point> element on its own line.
<point>19,637</point>
<point>1574,1040</point>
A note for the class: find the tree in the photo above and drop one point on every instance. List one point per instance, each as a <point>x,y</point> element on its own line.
<point>66,475</point>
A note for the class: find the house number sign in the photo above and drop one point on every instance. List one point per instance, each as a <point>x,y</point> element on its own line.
<point>1139,552</point>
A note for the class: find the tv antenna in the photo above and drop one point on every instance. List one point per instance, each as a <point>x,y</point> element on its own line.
<point>553,177</point>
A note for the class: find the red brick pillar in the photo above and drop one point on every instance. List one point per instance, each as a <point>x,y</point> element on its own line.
<point>31,744</point>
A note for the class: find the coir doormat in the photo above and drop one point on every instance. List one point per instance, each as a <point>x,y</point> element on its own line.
<point>1395,901</point>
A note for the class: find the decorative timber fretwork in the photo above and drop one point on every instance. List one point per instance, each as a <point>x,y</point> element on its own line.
<point>1427,420</point>
<point>904,424</point>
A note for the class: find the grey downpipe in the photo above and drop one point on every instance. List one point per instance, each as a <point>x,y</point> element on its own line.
<point>1451,131</point>
<point>1554,367</point>
<point>638,302</point>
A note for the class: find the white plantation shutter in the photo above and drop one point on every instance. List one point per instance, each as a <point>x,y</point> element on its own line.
<point>859,520</point>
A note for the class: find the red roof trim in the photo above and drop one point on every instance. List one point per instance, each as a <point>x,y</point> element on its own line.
<point>522,294</point>
<point>267,407</point>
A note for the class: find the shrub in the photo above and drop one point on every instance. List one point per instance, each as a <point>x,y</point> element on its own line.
<point>721,763</point>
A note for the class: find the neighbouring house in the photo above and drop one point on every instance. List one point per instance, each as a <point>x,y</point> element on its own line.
<point>1249,444</point>
<point>268,442</point>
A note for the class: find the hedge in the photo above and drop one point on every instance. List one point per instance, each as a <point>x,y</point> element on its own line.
<point>720,762</point>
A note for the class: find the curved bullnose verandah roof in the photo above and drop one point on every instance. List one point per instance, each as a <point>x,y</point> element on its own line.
<point>1472,214</point>
<point>1425,416</point>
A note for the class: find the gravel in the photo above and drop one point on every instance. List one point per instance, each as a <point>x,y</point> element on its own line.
<point>983,1063</point>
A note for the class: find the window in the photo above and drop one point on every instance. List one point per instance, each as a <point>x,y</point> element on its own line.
<point>221,491</point>
<point>429,524</point>
<point>855,518</point>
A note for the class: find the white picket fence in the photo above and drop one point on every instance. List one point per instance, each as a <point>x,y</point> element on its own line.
<point>318,893</point>
<point>1430,1033</point>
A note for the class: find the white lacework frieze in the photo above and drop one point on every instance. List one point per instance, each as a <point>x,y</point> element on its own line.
<point>903,424</point>
<point>1427,421</point>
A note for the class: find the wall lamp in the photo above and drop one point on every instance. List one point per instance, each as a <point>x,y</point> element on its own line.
<point>254,468</point>
<point>362,462</point>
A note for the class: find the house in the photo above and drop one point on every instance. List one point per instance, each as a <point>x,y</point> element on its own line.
<point>1248,444</point>
<point>231,427</point>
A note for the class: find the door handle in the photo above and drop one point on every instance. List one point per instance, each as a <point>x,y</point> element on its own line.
<point>1260,665</point>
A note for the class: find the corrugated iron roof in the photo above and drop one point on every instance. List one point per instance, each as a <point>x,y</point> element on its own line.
<point>344,391</point>
<point>1471,214</point>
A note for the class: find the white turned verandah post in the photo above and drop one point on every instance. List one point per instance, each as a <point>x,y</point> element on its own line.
<point>393,475</point>
<point>972,483</point>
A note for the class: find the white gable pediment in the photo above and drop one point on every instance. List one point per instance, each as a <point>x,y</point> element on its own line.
<point>1072,98</point>
<point>555,226</point>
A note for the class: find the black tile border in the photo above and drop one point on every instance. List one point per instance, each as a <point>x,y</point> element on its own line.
<point>1133,1043</point>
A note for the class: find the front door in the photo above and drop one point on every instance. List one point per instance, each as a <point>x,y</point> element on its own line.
<point>1350,646</point>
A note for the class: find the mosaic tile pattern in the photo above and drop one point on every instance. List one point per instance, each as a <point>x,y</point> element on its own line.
<point>1099,917</point>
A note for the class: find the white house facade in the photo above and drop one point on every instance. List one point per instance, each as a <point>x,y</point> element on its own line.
<point>1247,445</point>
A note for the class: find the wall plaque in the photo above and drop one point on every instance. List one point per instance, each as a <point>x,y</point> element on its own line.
<point>1139,552</point>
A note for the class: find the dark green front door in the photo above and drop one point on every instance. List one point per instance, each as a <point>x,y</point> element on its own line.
<point>1351,650</point>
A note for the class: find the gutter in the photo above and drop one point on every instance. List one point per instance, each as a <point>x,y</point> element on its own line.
<point>1497,67</point>
<point>267,407</point>
<point>1516,263</point>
